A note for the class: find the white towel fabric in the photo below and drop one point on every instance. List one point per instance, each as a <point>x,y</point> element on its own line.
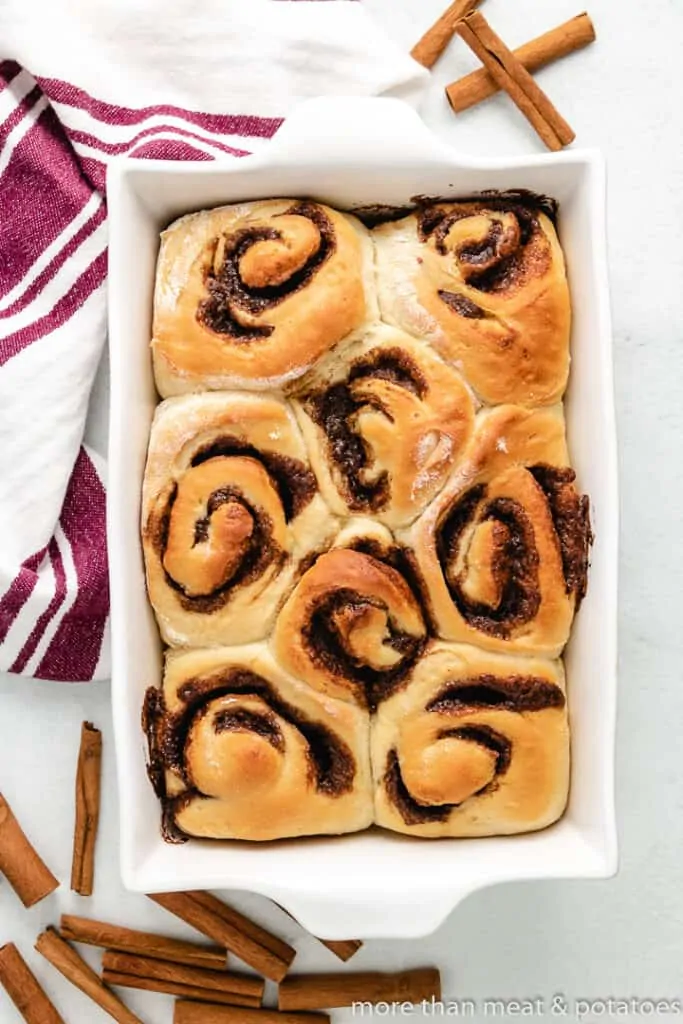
<point>80,82</point>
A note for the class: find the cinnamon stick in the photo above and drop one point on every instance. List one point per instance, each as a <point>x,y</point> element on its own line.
<point>88,782</point>
<point>205,1013</point>
<point>19,863</point>
<point>511,76</point>
<point>242,989</point>
<point>170,988</point>
<point>559,42</point>
<point>267,954</point>
<point>344,949</point>
<point>22,987</point>
<point>322,991</point>
<point>429,48</point>
<point>127,940</point>
<point>69,964</point>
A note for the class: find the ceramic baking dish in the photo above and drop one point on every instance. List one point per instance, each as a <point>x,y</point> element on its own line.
<point>351,152</point>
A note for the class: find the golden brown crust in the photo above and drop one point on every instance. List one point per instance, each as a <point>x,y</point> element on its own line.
<point>352,626</point>
<point>251,295</point>
<point>230,507</point>
<point>247,752</point>
<point>503,550</point>
<point>484,283</point>
<point>477,744</point>
<point>385,420</point>
<point>374,563</point>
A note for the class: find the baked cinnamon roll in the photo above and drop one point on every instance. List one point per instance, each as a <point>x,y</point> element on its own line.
<point>476,744</point>
<point>384,420</point>
<point>484,283</point>
<point>503,551</point>
<point>251,295</point>
<point>229,509</point>
<point>238,750</point>
<point>353,627</point>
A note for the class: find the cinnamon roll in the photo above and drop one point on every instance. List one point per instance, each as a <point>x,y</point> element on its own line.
<point>240,750</point>
<point>477,744</point>
<point>384,420</point>
<point>353,627</point>
<point>503,551</point>
<point>229,508</point>
<point>484,282</point>
<point>251,295</point>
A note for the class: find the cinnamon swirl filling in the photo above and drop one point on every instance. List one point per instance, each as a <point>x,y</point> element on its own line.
<point>483,282</point>
<point>224,520</point>
<point>503,551</point>
<point>488,550</point>
<point>385,429</point>
<point>496,246</point>
<point>490,561</point>
<point>257,267</point>
<point>571,516</point>
<point>465,761</point>
<point>337,410</point>
<point>352,627</point>
<point>231,733</point>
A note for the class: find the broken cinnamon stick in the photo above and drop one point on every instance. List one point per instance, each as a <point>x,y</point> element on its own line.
<point>69,964</point>
<point>323,991</point>
<point>19,863</point>
<point>511,76</point>
<point>88,782</point>
<point>429,48</point>
<point>204,1013</point>
<point>267,954</point>
<point>242,989</point>
<point>343,949</point>
<point>22,987</point>
<point>127,940</point>
<point>559,42</point>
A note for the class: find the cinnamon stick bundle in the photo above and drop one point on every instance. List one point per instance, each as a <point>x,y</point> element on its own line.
<point>559,42</point>
<point>19,863</point>
<point>263,951</point>
<point>158,975</point>
<point>203,1013</point>
<point>23,989</point>
<point>69,964</point>
<point>429,48</point>
<point>88,784</point>
<point>510,75</point>
<point>128,940</point>
<point>323,991</point>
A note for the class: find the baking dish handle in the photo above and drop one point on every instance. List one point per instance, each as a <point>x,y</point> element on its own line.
<point>389,915</point>
<point>338,128</point>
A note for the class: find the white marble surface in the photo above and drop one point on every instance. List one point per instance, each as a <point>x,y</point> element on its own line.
<point>620,938</point>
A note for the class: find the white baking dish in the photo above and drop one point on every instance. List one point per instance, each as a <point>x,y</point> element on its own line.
<point>351,152</point>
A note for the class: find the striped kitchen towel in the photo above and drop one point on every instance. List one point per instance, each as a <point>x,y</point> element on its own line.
<point>80,83</point>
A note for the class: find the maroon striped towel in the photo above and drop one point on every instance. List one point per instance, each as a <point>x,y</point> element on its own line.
<point>79,84</point>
